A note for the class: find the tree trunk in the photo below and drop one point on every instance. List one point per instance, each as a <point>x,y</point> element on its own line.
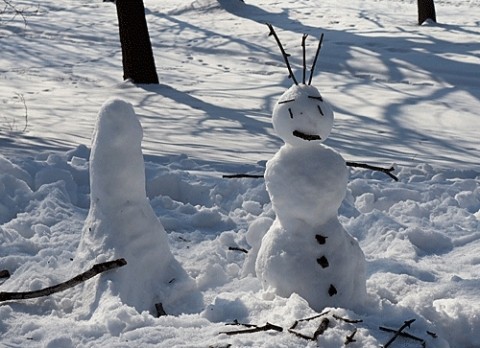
<point>426,10</point>
<point>137,55</point>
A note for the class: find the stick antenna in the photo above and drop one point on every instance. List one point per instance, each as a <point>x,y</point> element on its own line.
<point>304,37</point>
<point>315,59</point>
<point>284,54</point>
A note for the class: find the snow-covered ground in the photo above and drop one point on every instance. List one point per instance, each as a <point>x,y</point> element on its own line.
<point>402,94</point>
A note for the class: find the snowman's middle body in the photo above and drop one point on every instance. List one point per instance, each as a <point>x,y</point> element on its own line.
<point>306,250</point>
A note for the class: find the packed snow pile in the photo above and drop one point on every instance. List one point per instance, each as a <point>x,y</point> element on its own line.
<point>122,224</point>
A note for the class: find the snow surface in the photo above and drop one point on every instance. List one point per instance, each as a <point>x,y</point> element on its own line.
<point>401,94</point>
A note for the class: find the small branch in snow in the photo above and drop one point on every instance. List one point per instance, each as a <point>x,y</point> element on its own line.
<point>160,311</point>
<point>234,176</point>
<point>350,321</point>
<point>398,332</point>
<point>350,338</point>
<point>96,269</point>
<point>4,274</point>
<point>320,330</point>
<point>387,171</point>
<point>322,327</point>
<point>238,249</point>
<point>255,328</point>
<point>403,334</point>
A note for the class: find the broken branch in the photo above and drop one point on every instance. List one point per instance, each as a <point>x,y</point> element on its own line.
<point>160,311</point>
<point>398,332</point>
<point>350,338</point>
<point>96,269</point>
<point>255,328</point>
<point>403,334</point>
<point>253,176</point>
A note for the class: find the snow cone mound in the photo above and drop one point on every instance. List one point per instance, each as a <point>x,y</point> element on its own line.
<point>306,250</point>
<point>122,224</point>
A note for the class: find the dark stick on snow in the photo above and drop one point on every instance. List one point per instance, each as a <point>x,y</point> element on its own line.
<point>387,171</point>
<point>350,338</point>
<point>234,176</point>
<point>284,54</point>
<point>4,274</point>
<point>315,59</point>
<point>255,328</point>
<point>236,322</point>
<point>350,321</point>
<point>238,249</point>
<point>321,328</point>
<point>160,311</point>
<point>308,137</point>
<point>397,333</point>
<point>96,269</point>
<point>403,334</point>
<point>304,37</point>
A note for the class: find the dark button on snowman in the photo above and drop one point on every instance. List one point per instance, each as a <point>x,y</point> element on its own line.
<point>306,250</point>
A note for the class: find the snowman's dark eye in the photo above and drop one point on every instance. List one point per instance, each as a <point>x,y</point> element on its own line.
<point>317,98</point>
<point>286,101</point>
<point>291,113</point>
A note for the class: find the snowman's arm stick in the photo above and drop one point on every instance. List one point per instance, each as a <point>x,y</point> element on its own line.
<point>96,269</point>
<point>284,54</point>
<point>387,171</point>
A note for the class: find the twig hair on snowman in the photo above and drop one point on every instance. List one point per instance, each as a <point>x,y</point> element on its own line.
<point>306,250</point>
<point>301,105</point>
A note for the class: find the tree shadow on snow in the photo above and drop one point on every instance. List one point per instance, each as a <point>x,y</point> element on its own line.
<point>421,52</point>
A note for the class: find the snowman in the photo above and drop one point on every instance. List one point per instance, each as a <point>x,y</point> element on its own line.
<point>122,224</point>
<point>306,250</point>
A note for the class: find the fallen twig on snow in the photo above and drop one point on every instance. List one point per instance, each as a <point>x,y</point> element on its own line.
<point>349,338</point>
<point>96,269</point>
<point>320,330</point>
<point>350,321</point>
<point>403,334</point>
<point>254,328</point>
<point>398,332</point>
<point>160,311</point>
<point>234,176</point>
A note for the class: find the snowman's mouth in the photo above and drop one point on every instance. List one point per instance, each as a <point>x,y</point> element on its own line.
<point>308,137</point>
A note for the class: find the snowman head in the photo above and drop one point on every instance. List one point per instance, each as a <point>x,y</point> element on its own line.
<point>301,115</point>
